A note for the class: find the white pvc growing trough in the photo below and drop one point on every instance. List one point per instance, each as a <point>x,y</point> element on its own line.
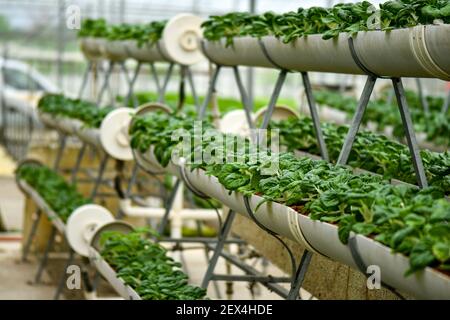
<point>124,290</point>
<point>42,205</point>
<point>178,44</point>
<point>111,137</point>
<point>421,51</point>
<point>322,237</point>
<point>90,47</point>
<point>94,215</point>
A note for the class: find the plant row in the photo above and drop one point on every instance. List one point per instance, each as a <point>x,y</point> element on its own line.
<point>85,111</point>
<point>343,17</point>
<point>148,33</point>
<point>408,220</point>
<point>434,124</point>
<point>145,266</point>
<point>61,196</point>
<point>370,151</point>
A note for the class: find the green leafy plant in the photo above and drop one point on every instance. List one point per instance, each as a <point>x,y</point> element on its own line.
<point>85,111</point>
<point>97,28</point>
<point>434,124</point>
<point>61,196</point>
<point>343,17</point>
<point>143,33</point>
<point>145,266</point>
<point>148,33</point>
<point>410,221</point>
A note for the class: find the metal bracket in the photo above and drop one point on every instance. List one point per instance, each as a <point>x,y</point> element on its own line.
<point>404,113</point>
<point>298,274</point>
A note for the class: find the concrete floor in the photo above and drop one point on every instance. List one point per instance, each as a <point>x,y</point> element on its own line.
<point>16,276</point>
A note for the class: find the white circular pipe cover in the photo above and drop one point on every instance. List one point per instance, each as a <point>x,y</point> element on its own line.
<point>82,225</point>
<point>114,133</point>
<point>234,122</point>
<point>279,113</point>
<point>180,39</point>
<point>143,110</point>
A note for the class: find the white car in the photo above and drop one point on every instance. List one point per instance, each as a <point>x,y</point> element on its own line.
<point>22,86</point>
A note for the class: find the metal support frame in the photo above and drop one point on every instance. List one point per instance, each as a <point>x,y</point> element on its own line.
<point>60,287</point>
<point>407,125</point>
<point>211,90</point>
<point>44,259</point>
<point>163,88</point>
<point>315,116</point>
<point>168,205</point>
<point>404,113</point>
<point>105,85</point>
<point>31,235</point>
<point>422,97</point>
<point>357,119</point>
<point>274,98</point>
<point>446,103</point>
<point>131,83</point>
<point>85,78</point>
<point>191,82</point>
<point>59,153</point>
<point>409,132</point>
<point>77,165</point>
<point>99,177</point>
<point>251,274</point>
<point>246,102</point>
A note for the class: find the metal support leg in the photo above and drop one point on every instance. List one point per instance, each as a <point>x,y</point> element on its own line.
<point>31,235</point>
<point>130,94</point>
<point>248,108</point>
<point>192,87</point>
<point>85,79</point>
<point>62,146</point>
<point>390,96</point>
<point>409,132</point>
<point>43,263</point>
<point>274,98</point>
<point>211,90</point>
<point>162,92</point>
<point>422,97</point>
<point>182,88</point>
<point>77,165</point>
<point>155,78</point>
<point>62,280</point>
<point>169,205</point>
<point>101,170</point>
<point>315,116</point>
<point>129,81</point>
<point>299,275</point>
<point>105,82</point>
<point>206,251</point>
<point>218,248</point>
<point>357,118</point>
<point>446,103</point>
<point>127,194</point>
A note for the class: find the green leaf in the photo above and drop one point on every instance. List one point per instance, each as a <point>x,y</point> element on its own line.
<point>441,251</point>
